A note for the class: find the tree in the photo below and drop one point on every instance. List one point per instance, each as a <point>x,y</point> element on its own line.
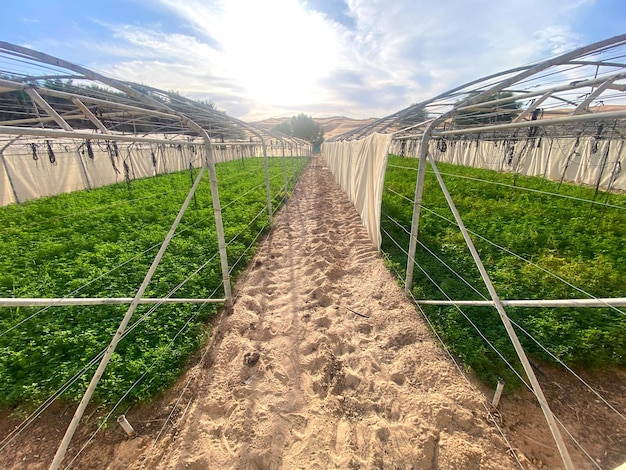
<point>283,127</point>
<point>302,127</point>
<point>489,113</point>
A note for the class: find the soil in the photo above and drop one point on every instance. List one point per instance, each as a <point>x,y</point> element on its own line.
<point>322,362</point>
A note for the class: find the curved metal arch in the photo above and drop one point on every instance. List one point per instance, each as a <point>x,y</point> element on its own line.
<point>479,91</point>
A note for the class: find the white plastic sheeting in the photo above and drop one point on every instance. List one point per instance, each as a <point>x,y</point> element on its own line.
<point>29,169</point>
<point>359,168</point>
<point>586,161</point>
<point>32,168</point>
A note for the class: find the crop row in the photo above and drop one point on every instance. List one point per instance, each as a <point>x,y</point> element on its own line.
<point>528,237</point>
<point>100,243</point>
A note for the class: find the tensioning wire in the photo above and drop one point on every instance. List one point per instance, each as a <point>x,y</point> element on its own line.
<point>556,276</point>
<point>595,392</point>
<point>495,350</point>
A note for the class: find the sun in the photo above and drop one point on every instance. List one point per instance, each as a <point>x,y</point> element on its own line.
<point>279,51</point>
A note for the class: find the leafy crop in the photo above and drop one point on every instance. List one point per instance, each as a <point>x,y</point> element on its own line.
<point>581,242</point>
<point>100,243</point>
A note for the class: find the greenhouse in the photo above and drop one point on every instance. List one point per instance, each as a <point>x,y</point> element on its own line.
<point>131,217</point>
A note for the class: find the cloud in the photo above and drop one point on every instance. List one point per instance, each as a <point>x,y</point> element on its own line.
<point>557,39</point>
<point>360,58</point>
<point>334,10</point>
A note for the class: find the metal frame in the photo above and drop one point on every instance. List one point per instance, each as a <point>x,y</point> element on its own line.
<point>489,107</point>
<point>112,110</point>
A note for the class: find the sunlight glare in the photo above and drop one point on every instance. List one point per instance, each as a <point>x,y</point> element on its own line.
<point>278,50</point>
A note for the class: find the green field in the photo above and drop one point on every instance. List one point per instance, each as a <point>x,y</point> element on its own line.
<point>581,242</point>
<point>100,243</point>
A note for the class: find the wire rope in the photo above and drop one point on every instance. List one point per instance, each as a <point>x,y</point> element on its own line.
<point>434,255</point>
<point>556,276</point>
<point>230,271</point>
<point>230,203</point>
<point>262,211</point>
<point>97,209</point>
<point>484,401</point>
<point>460,310</point>
<point>557,359</point>
<point>595,392</point>
<point>509,365</point>
<point>75,291</point>
<point>521,188</point>
<point>96,358</point>
<point>142,377</point>
<point>169,417</point>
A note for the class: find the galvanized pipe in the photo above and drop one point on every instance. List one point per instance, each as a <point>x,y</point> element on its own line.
<point>69,433</point>
<point>68,302</point>
<point>601,302</point>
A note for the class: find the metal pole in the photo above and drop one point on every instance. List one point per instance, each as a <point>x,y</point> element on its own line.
<point>91,116</point>
<point>556,434</point>
<point>36,97</point>
<point>594,94</point>
<point>591,117</point>
<point>284,169</point>
<point>417,206</point>
<point>293,169</point>
<point>56,133</point>
<point>532,107</point>
<point>267,182</point>
<point>219,225</point>
<point>601,302</point>
<point>59,302</point>
<point>69,433</point>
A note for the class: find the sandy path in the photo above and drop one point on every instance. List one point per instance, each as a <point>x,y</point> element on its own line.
<point>297,380</point>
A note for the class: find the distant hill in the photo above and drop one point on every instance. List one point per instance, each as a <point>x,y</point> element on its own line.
<point>332,126</point>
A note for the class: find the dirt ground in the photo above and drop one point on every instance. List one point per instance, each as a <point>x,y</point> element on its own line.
<point>322,363</point>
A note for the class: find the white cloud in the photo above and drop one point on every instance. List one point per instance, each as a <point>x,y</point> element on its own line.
<point>556,39</point>
<point>258,59</point>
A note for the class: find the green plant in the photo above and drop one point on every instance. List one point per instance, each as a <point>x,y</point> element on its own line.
<point>100,243</point>
<point>578,241</point>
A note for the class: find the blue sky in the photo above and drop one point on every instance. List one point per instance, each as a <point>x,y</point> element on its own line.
<point>263,58</point>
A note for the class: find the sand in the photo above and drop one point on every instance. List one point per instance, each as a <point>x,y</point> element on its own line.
<point>323,362</point>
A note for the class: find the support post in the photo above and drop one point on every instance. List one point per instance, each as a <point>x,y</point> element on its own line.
<point>496,397</point>
<point>284,169</point>
<point>219,225</point>
<point>417,206</point>
<point>69,433</point>
<point>552,424</point>
<point>126,426</point>
<point>293,172</point>
<point>268,189</point>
